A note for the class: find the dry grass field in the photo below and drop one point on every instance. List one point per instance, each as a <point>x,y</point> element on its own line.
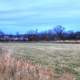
<point>43,61</point>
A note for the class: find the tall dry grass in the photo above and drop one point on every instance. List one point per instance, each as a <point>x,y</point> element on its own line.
<point>18,68</point>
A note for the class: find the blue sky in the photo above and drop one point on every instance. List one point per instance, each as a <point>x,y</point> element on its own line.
<point>24,15</point>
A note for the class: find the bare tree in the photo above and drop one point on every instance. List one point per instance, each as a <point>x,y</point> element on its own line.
<point>58,31</point>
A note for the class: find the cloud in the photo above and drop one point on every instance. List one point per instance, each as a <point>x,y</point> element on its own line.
<point>32,12</point>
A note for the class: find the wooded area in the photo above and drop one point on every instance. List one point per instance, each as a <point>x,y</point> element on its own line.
<point>57,33</point>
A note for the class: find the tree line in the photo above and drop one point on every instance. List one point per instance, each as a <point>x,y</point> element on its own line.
<point>57,33</point>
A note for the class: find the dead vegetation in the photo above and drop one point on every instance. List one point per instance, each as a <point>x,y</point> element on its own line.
<point>12,68</point>
<point>20,68</point>
<point>67,76</point>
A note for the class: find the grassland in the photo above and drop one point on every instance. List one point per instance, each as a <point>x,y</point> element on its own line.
<point>63,59</point>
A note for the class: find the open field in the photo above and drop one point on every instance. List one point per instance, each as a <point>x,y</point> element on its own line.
<point>63,59</point>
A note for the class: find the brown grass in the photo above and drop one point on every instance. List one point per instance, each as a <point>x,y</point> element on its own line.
<point>12,68</point>
<point>19,68</point>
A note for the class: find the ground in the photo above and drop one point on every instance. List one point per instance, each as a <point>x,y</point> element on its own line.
<point>64,59</point>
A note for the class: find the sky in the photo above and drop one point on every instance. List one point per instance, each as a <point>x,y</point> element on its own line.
<point>25,15</point>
